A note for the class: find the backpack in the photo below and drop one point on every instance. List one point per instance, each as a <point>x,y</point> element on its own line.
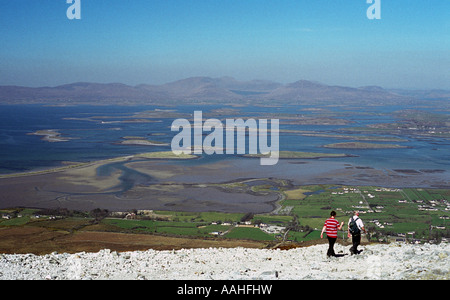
<point>353,227</point>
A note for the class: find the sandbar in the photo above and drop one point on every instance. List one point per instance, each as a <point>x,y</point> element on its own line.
<point>154,181</point>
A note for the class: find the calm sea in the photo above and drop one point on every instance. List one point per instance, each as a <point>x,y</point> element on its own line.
<point>94,133</point>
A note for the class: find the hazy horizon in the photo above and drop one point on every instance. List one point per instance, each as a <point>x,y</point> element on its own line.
<point>156,42</point>
<point>218,77</point>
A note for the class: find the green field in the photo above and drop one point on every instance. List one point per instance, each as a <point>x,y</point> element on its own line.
<point>249,233</point>
<point>420,214</point>
<point>385,212</point>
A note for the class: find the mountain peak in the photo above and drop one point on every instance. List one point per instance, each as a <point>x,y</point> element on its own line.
<point>305,84</point>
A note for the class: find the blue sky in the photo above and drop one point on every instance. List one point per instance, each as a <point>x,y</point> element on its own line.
<point>158,41</point>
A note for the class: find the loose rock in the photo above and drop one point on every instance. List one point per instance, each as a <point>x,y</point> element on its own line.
<point>378,261</point>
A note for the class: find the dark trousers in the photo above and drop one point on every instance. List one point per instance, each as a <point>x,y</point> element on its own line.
<point>356,240</point>
<point>331,242</point>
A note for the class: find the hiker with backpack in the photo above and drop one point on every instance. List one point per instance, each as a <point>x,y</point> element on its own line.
<point>331,227</point>
<point>355,226</point>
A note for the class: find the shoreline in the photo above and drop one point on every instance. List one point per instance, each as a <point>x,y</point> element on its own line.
<point>169,156</point>
<point>152,181</point>
<point>161,155</point>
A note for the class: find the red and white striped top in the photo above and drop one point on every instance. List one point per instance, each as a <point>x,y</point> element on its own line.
<point>331,227</point>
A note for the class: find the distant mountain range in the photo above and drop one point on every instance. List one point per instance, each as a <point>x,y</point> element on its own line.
<point>207,89</point>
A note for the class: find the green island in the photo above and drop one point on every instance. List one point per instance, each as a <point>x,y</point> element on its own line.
<point>355,137</point>
<point>299,155</point>
<point>360,145</point>
<point>390,214</point>
<point>164,155</point>
<point>140,141</point>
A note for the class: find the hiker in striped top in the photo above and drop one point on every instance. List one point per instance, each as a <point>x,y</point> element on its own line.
<point>331,227</point>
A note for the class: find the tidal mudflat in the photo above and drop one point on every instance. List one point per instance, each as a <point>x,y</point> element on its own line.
<point>202,184</point>
<point>96,162</point>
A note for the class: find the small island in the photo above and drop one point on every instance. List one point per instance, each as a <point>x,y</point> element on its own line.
<point>300,155</point>
<point>50,135</point>
<point>359,145</point>
<point>140,141</point>
<point>164,155</point>
<point>358,138</point>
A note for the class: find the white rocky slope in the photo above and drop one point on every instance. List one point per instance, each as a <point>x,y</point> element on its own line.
<point>392,261</point>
